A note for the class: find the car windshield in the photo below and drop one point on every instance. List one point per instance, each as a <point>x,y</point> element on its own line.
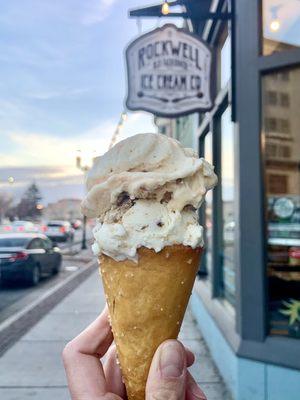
<point>13,242</point>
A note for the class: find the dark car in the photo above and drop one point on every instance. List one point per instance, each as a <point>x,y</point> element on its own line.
<point>28,257</point>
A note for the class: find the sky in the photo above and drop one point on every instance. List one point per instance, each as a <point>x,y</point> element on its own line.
<point>63,85</point>
<point>62,88</point>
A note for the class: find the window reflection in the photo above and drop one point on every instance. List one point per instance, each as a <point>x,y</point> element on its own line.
<point>208,208</point>
<point>227,183</point>
<point>281,121</point>
<point>281,25</point>
<point>226,62</point>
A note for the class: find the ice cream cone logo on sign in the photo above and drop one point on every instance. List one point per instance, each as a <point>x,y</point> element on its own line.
<point>169,73</point>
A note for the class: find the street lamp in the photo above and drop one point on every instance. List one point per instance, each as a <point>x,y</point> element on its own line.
<point>165,8</point>
<point>275,23</point>
<point>84,169</point>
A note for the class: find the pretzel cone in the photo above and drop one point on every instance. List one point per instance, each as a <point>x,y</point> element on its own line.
<point>147,301</point>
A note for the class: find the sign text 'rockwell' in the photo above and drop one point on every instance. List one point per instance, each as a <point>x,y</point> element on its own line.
<point>169,73</point>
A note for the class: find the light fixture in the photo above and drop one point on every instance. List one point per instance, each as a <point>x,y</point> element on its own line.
<point>11,179</point>
<point>275,23</point>
<point>165,8</point>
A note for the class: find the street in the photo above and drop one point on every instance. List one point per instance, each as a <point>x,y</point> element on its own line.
<point>16,295</point>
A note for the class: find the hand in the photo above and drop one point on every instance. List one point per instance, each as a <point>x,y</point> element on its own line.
<point>88,380</point>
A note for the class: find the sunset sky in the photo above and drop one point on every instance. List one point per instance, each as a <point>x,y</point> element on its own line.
<point>62,85</point>
<point>62,88</point>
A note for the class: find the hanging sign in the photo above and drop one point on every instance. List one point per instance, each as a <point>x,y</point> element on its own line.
<point>169,73</point>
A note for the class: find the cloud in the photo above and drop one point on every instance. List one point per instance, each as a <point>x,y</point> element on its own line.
<point>53,94</point>
<point>10,108</point>
<point>44,149</point>
<point>54,182</point>
<point>50,160</point>
<point>97,11</point>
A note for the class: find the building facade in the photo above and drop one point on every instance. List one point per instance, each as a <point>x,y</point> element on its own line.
<point>182,129</point>
<point>65,209</point>
<point>251,283</point>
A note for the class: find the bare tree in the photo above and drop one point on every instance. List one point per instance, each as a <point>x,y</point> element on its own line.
<point>28,205</point>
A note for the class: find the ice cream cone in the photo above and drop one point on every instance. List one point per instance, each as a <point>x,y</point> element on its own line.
<point>147,301</point>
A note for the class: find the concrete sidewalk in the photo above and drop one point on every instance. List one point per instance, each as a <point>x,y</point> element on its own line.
<point>32,368</point>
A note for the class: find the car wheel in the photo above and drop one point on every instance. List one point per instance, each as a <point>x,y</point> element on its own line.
<point>57,268</point>
<point>35,276</point>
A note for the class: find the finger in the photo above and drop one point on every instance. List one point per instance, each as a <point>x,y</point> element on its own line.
<point>190,357</point>
<point>81,359</point>
<point>167,375</point>
<point>193,391</point>
<point>96,338</point>
<point>113,374</point>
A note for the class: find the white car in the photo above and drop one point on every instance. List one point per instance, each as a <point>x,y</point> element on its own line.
<point>59,231</point>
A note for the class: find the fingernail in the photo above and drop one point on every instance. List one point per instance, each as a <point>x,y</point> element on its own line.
<point>171,360</point>
<point>196,391</point>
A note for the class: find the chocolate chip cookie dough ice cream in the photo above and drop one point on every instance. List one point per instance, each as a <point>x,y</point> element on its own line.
<point>145,194</point>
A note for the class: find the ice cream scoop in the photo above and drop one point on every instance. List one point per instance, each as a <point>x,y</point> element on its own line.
<point>145,192</point>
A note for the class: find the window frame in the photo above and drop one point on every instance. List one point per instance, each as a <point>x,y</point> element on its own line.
<point>214,34</point>
<point>202,211</point>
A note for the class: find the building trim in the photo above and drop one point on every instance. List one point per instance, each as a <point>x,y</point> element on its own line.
<point>274,350</point>
<point>288,58</point>
<point>246,378</point>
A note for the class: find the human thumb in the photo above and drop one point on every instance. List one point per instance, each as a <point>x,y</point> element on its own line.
<point>167,375</point>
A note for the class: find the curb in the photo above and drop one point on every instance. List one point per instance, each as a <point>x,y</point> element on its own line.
<point>17,325</point>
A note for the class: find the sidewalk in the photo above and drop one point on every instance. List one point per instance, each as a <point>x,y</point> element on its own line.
<point>32,368</point>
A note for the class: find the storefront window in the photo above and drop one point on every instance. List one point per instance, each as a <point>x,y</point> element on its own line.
<point>224,59</point>
<point>208,208</point>
<point>281,25</point>
<point>281,121</point>
<point>226,62</point>
<point>227,184</point>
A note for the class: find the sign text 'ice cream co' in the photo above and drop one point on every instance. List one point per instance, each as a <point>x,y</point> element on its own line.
<point>169,73</point>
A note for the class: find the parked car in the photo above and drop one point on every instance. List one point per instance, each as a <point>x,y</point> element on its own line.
<point>5,228</point>
<point>59,231</point>
<point>76,224</point>
<point>24,226</point>
<point>27,257</point>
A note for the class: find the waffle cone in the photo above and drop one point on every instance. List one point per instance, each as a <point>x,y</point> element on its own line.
<point>147,301</point>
